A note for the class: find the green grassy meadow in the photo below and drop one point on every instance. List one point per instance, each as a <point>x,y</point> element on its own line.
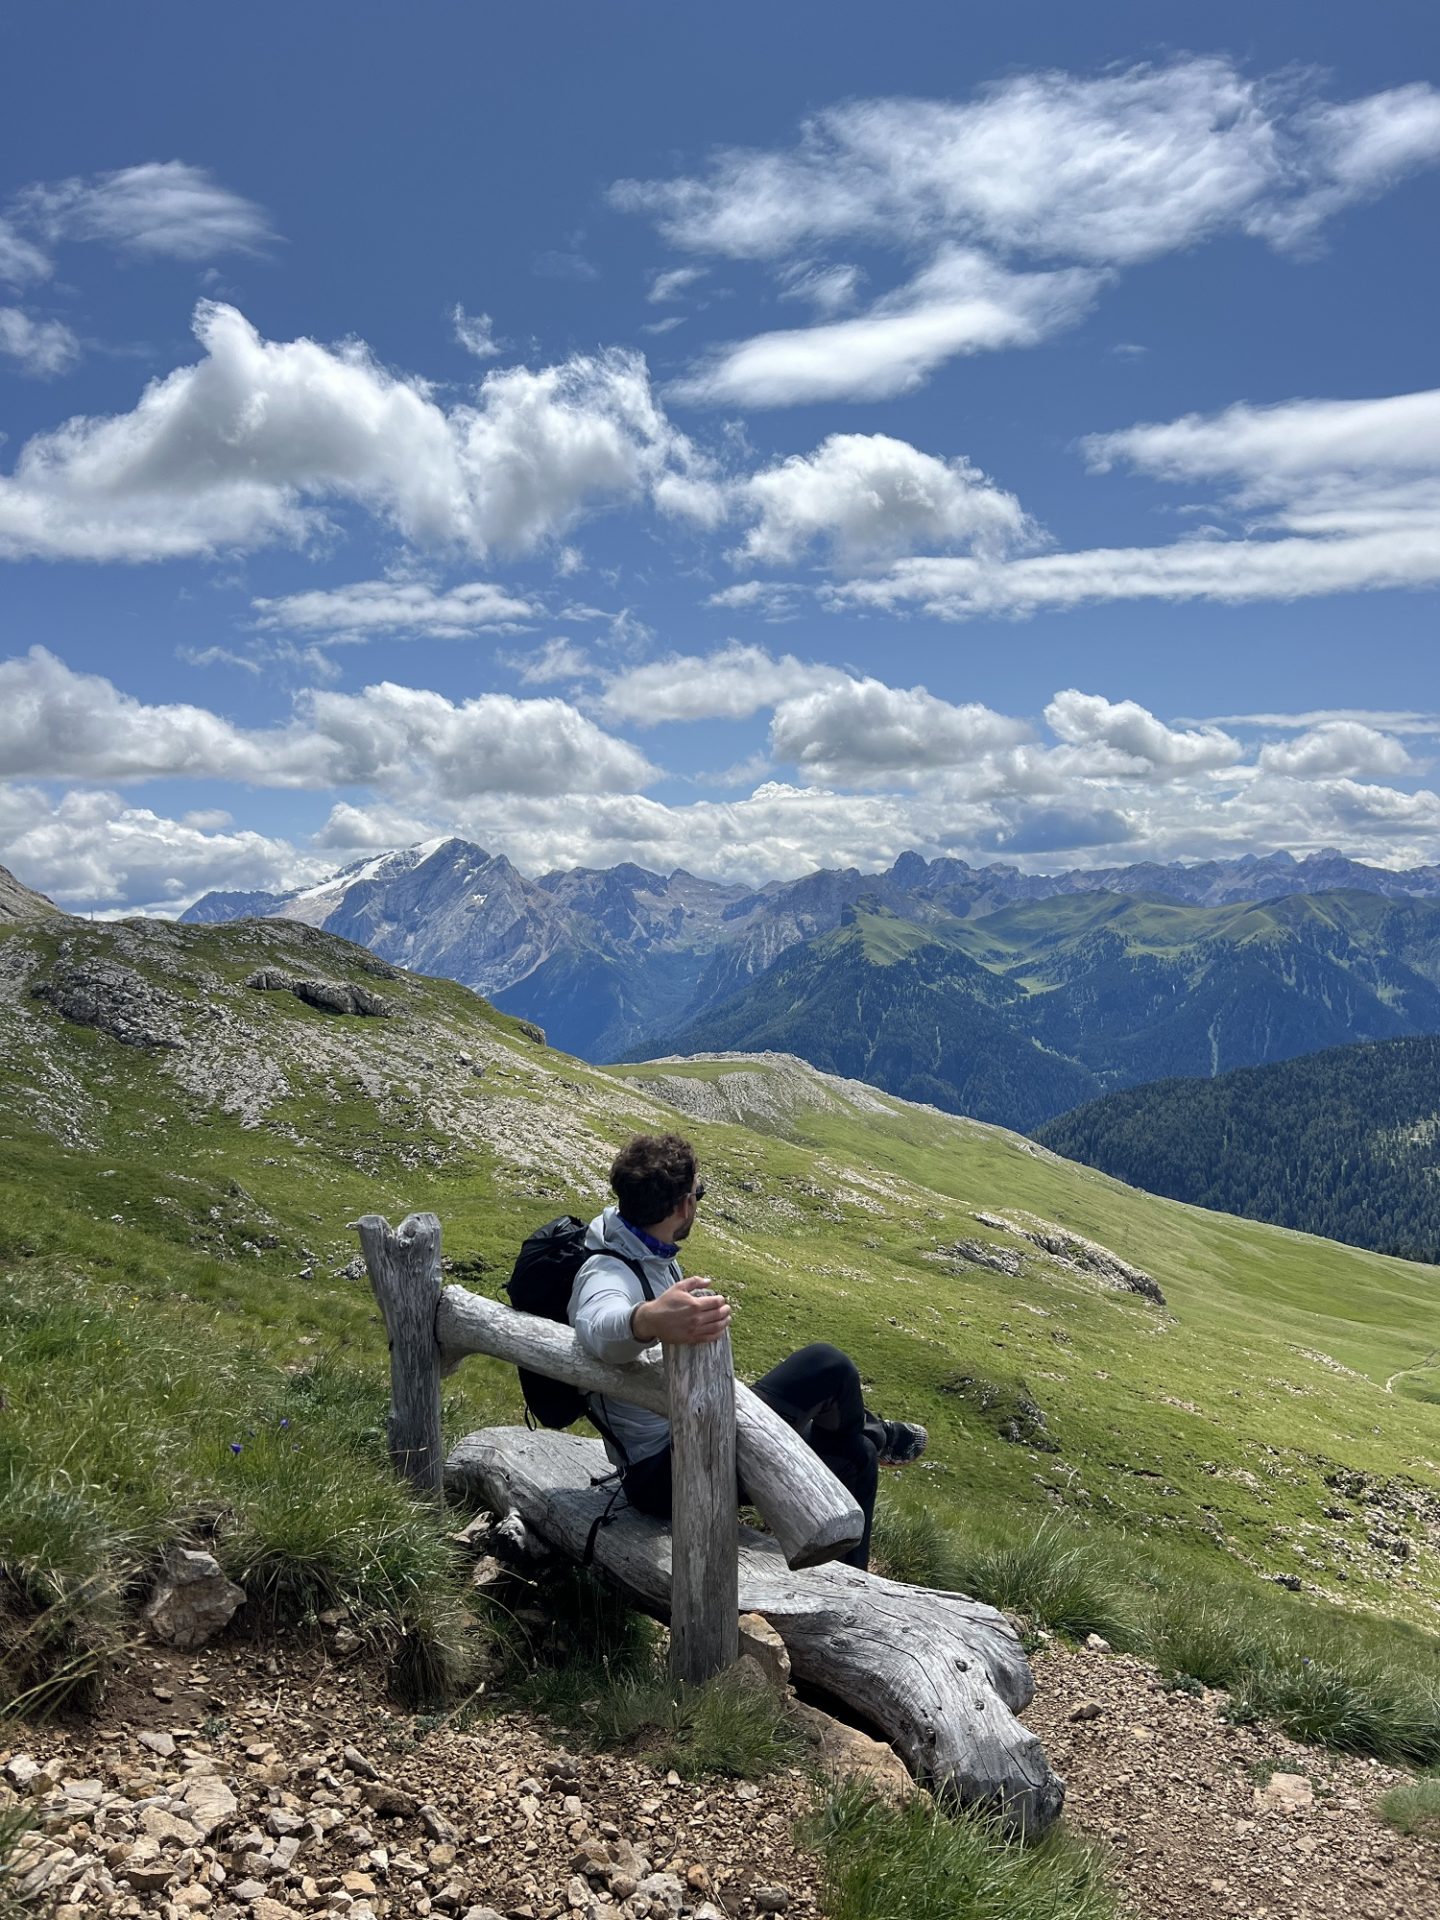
<point>173,1226</point>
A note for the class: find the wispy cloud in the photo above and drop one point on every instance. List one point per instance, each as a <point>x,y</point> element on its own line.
<point>38,347</point>
<point>674,281</point>
<point>565,263</point>
<point>1099,171</point>
<point>21,260</point>
<point>368,608</point>
<point>962,303</point>
<point>476,333</point>
<point>559,659</point>
<point>1109,168</point>
<point>1339,495</point>
<point>164,207</point>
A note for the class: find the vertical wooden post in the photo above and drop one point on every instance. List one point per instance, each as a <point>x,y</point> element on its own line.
<point>704,1535</point>
<point>404,1267</point>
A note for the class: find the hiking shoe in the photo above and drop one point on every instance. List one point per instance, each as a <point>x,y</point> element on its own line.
<point>904,1441</point>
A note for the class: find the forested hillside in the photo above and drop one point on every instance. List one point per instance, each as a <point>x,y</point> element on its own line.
<point>1344,1143</point>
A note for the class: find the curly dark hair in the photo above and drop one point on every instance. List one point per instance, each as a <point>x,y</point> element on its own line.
<point>651,1175</point>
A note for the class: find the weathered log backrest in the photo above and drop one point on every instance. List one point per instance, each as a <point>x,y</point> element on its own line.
<point>715,1422</point>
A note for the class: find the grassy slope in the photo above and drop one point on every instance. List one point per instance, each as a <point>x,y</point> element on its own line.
<point>1213,1422</point>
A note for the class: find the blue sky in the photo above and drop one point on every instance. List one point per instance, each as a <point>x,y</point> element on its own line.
<point>745,439</point>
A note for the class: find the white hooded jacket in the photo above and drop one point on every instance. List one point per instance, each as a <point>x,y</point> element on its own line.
<point>605,1295</point>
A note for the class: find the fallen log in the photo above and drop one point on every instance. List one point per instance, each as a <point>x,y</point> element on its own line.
<point>942,1676</point>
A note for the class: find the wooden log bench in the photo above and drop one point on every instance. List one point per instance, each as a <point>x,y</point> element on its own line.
<point>941,1675</point>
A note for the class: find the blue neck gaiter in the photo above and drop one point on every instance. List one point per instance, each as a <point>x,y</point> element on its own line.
<point>666,1249</point>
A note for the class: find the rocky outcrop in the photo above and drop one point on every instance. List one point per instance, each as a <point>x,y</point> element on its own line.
<point>113,998</point>
<point>328,996</point>
<point>1073,1250</point>
<point>21,903</point>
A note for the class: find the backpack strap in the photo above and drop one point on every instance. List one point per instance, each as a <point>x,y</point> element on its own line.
<point>637,1267</point>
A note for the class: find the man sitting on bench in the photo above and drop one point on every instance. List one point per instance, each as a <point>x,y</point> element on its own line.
<point>631,1293</point>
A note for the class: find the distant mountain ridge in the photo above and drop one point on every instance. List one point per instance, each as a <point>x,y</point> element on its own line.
<point>608,959</point>
<point>1027,1012</point>
<point>1343,1143</point>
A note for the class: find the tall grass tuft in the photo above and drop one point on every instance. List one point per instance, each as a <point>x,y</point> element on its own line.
<point>65,1558</point>
<point>1356,1706</point>
<point>1055,1576</point>
<point>595,1666</point>
<point>15,1823</point>
<point>1202,1634</point>
<point>913,1544</point>
<point>1414,1808</point>
<point>1326,1678</point>
<point>920,1862</point>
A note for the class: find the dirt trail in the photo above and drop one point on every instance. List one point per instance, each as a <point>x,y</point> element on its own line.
<point>1428,1361</point>
<point>1188,1805</point>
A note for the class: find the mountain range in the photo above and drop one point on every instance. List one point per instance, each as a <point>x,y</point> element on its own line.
<point>619,961</point>
<point>1027,1012</point>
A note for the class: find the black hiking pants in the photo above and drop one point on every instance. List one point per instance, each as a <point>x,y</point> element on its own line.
<point>817,1392</point>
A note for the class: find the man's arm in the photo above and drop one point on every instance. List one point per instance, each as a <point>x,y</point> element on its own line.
<point>605,1296</point>
<point>685,1315</point>
<point>614,1324</point>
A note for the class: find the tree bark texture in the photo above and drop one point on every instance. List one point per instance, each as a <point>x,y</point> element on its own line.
<point>804,1505</point>
<point>942,1676</point>
<point>705,1614</point>
<point>404,1267</point>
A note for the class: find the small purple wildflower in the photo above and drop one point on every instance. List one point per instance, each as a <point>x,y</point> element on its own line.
<point>235,1447</point>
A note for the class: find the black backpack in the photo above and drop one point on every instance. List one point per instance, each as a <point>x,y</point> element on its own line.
<point>542,1283</point>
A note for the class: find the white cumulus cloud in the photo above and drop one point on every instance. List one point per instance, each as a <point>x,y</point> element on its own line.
<point>91,848</point>
<point>1336,747</point>
<point>863,730</point>
<point>730,684</point>
<point>407,741</point>
<point>1131,731</point>
<point>871,496</point>
<point>251,445</point>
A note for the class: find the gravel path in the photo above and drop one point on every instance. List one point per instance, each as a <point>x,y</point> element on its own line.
<point>1214,1822</point>
<point>237,1785</point>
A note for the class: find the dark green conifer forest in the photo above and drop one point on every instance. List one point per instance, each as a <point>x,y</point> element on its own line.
<point>1344,1143</point>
